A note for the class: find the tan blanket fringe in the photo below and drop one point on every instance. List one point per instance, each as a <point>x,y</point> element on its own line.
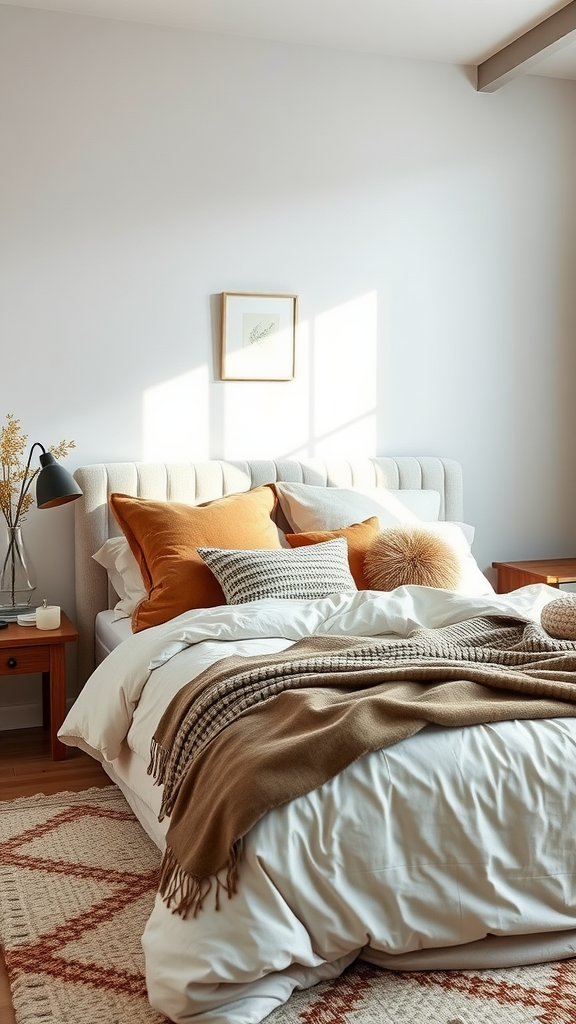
<point>251,734</point>
<point>157,768</point>
<point>185,893</point>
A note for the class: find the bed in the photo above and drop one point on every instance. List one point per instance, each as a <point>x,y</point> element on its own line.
<point>447,845</point>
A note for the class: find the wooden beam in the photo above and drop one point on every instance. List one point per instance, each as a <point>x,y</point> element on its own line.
<point>528,50</point>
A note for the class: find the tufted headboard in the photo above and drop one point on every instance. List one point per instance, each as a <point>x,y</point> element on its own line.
<point>198,482</point>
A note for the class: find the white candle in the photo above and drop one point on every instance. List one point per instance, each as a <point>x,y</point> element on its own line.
<point>48,616</point>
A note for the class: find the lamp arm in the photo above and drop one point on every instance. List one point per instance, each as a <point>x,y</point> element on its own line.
<point>27,480</point>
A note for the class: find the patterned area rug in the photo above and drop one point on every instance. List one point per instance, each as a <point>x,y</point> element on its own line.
<point>77,882</point>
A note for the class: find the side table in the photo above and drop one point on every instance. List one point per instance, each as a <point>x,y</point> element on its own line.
<point>553,571</point>
<point>26,649</point>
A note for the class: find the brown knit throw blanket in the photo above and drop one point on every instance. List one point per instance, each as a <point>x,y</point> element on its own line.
<point>250,734</point>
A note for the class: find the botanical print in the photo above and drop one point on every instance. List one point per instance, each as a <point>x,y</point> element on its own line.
<point>258,336</point>
<point>256,327</point>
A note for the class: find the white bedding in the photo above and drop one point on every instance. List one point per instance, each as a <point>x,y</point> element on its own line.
<point>433,852</point>
<point>109,632</point>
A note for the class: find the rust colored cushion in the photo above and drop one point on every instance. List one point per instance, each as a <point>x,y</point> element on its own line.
<point>164,537</point>
<point>359,537</point>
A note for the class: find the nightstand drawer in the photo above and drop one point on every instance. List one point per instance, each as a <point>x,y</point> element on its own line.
<point>14,660</point>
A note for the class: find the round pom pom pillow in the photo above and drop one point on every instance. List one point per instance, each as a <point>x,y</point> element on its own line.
<point>559,617</point>
<point>410,555</point>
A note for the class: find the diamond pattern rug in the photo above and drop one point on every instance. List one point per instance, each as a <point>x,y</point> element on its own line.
<point>77,882</point>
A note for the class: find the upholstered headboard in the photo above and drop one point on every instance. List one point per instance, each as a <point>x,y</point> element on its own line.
<point>198,482</point>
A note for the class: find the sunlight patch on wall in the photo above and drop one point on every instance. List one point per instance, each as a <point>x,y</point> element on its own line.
<point>264,419</point>
<point>175,419</point>
<point>344,378</point>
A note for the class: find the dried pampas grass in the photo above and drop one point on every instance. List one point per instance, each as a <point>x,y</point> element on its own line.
<point>405,555</point>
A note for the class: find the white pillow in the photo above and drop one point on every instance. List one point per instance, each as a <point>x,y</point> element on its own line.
<point>467,530</point>
<point>309,507</point>
<point>124,574</point>
<point>473,582</point>
<point>299,573</point>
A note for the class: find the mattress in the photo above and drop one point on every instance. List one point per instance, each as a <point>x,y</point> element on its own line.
<point>130,773</point>
<point>109,632</point>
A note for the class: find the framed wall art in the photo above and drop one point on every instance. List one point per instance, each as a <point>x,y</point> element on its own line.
<point>258,336</point>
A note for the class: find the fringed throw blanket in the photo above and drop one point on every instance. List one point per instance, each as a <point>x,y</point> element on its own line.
<point>250,734</point>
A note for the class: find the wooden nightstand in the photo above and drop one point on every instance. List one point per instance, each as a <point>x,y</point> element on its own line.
<point>26,649</point>
<point>552,571</point>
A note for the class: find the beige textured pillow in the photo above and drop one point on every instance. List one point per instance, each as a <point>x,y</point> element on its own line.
<point>559,617</point>
<point>410,555</point>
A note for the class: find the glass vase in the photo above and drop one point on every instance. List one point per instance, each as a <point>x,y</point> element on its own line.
<point>17,577</point>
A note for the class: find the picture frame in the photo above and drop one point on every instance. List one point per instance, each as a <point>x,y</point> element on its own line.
<point>258,336</point>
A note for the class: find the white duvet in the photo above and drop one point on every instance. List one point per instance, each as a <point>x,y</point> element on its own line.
<point>454,848</point>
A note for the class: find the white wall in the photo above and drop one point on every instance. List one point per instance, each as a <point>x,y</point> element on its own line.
<point>429,232</point>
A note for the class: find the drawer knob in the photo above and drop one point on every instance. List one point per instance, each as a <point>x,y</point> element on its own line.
<point>12,662</point>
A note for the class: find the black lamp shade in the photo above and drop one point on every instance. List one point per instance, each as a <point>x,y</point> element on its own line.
<point>54,484</point>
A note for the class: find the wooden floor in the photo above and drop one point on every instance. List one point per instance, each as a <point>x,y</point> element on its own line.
<point>26,768</point>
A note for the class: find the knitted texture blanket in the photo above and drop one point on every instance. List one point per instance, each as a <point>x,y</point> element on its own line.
<point>250,734</point>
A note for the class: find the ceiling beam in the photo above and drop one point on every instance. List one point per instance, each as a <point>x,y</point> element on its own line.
<point>528,50</point>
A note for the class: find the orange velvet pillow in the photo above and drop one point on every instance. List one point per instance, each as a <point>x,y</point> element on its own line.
<point>164,537</point>
<point>359,537</point>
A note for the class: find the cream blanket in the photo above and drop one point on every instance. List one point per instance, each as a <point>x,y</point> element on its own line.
<point>244,737</point>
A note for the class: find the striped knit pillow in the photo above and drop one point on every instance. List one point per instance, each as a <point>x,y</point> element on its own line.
<point>305,573</point>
